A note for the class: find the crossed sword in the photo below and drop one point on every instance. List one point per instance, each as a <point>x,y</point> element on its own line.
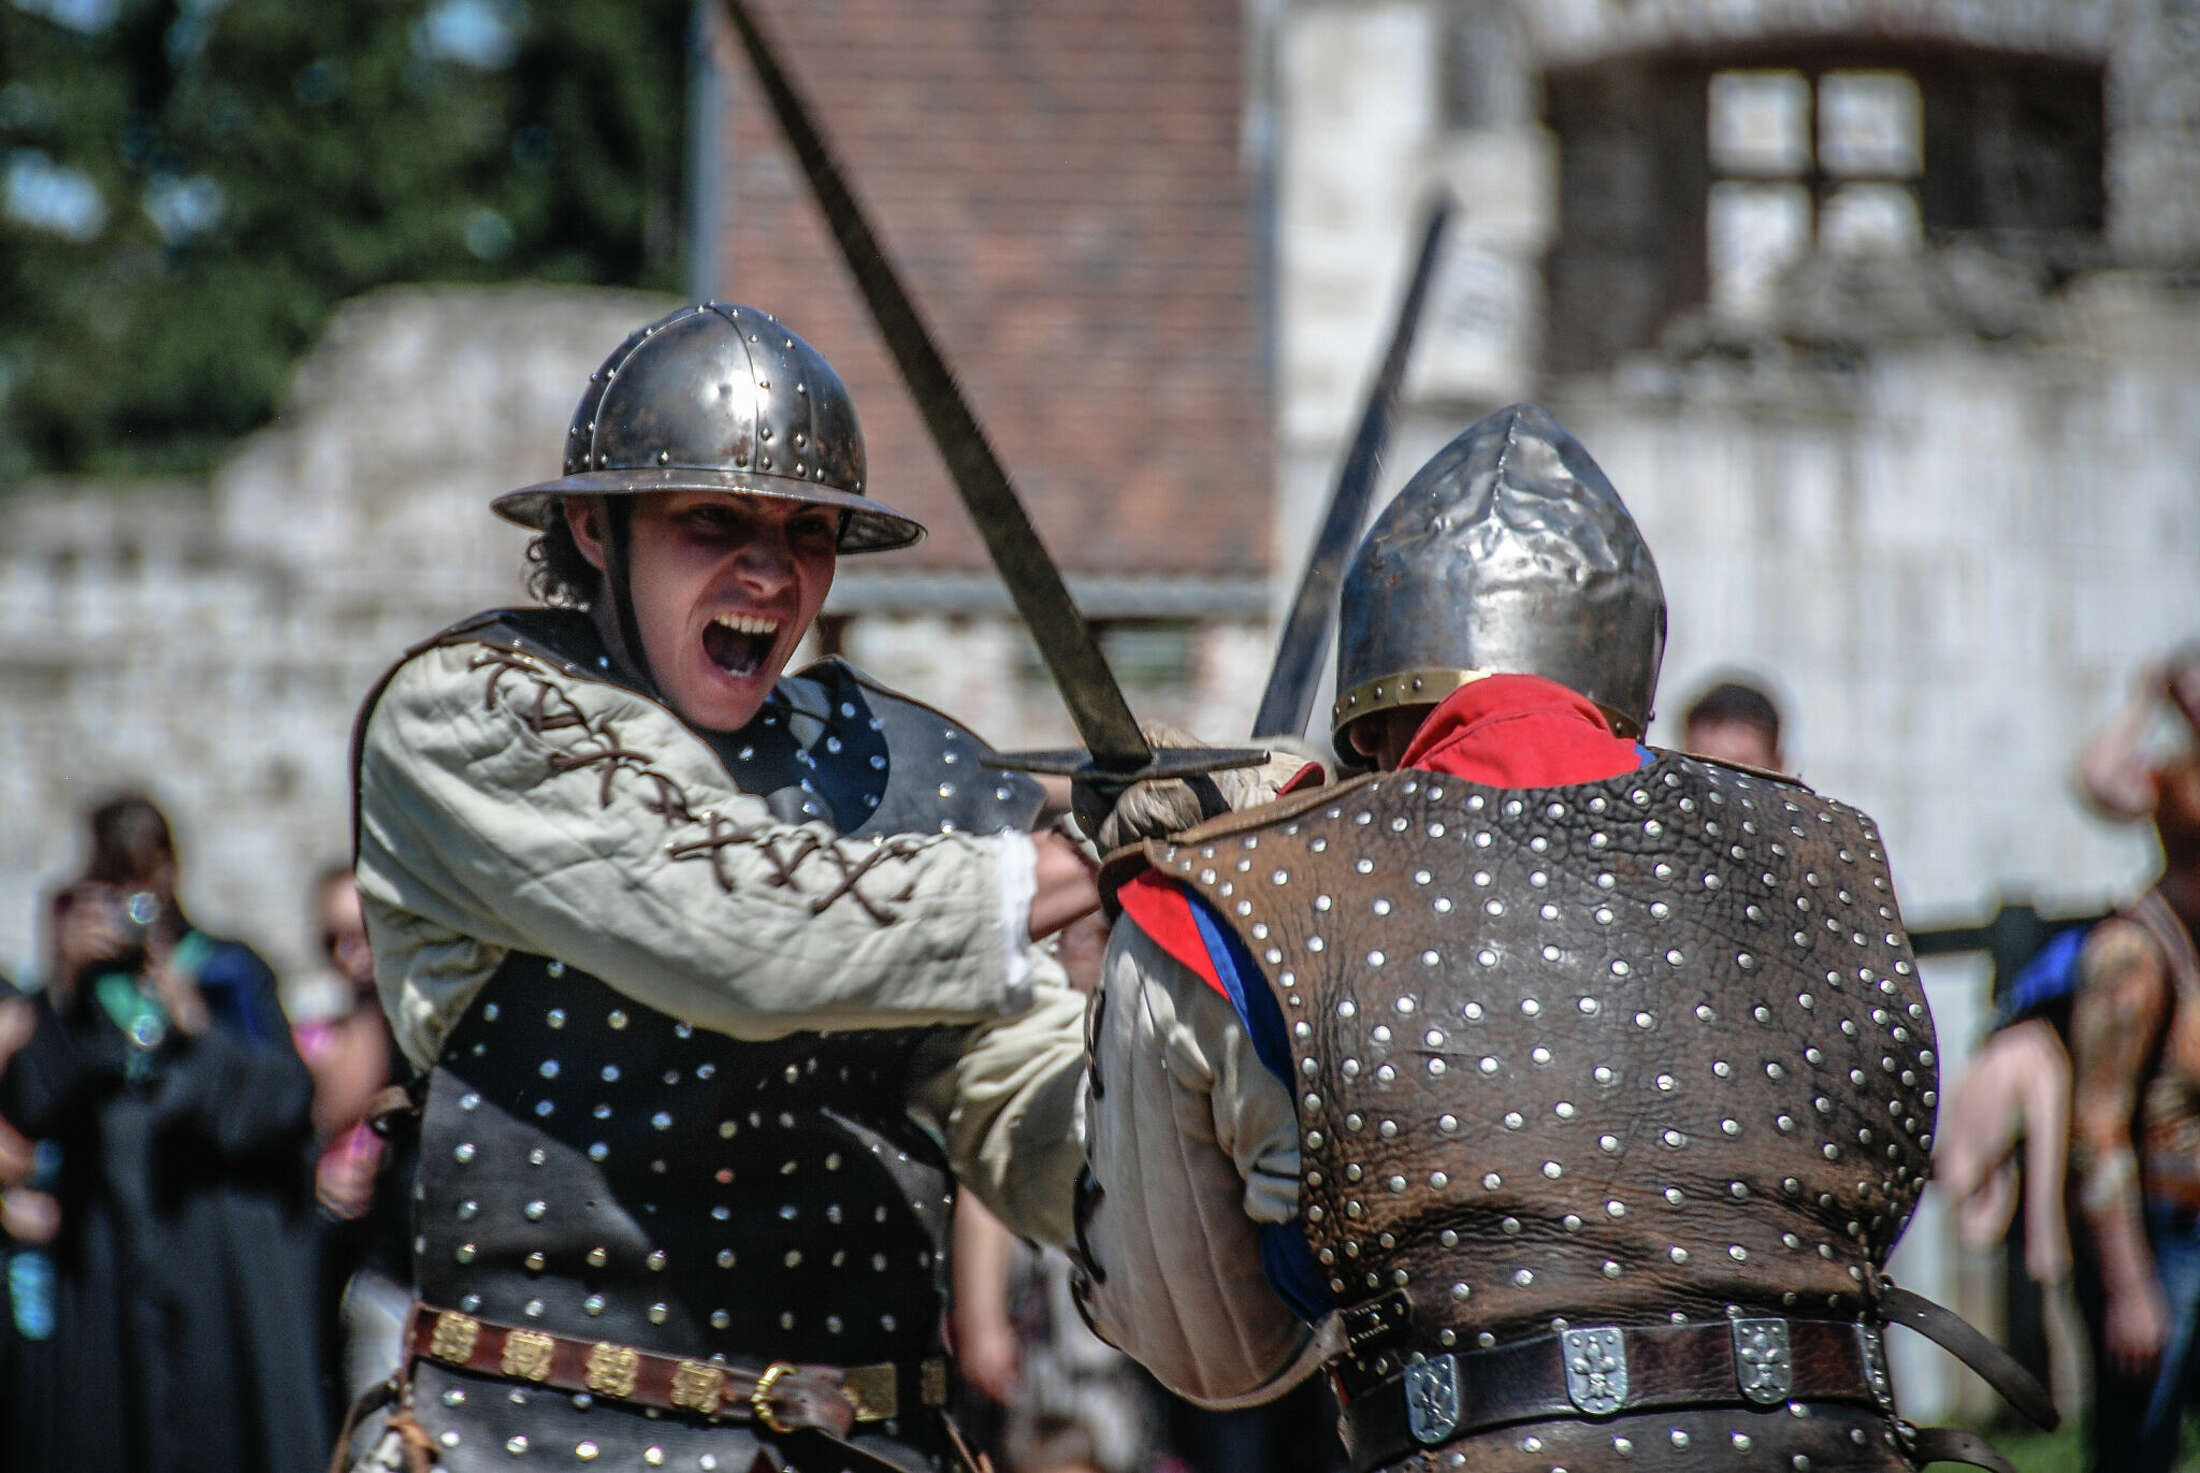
<point>1115,752</point>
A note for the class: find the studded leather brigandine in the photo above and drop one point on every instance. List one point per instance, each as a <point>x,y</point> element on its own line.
<point>1643,1051</point>
<point>598,1170</point>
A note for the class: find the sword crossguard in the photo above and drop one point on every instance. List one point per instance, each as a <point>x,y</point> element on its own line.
<point>1164,763</point>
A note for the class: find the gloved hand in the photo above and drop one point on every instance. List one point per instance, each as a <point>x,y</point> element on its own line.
<point>1113,816</point>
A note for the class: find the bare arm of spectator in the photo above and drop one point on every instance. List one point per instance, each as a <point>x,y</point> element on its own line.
<point>2116,1023</point>
<point>2113,771</point>
<point>2016,1086</point>
<point>350,1062</point>
<point>985,1336</point>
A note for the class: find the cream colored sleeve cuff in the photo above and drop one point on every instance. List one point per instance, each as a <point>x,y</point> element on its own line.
<point>1019,863</point>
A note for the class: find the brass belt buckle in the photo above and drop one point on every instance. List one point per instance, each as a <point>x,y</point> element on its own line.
<point>760,1400</point>
<point>873,1391</point>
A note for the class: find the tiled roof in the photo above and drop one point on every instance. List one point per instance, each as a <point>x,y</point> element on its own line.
<point>1062,187</point>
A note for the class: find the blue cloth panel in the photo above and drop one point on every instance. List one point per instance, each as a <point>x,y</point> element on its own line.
<point>1284,1256</point>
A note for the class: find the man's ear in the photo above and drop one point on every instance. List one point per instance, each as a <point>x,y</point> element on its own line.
<point>584,519</point>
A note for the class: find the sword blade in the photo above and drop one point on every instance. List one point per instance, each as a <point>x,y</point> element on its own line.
<point>1304,642</point>
<point>1096,705</point>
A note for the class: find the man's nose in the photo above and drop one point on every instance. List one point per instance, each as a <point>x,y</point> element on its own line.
<point>765,560</point>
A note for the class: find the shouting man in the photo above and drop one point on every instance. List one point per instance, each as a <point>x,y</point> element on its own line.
<point>722,978</point>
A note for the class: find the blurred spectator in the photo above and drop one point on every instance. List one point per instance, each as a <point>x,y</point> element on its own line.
<point>2135,1046</point>
<point>161,1068</point>
<point>1735,722</point>
<point>1070,1403</point>
<point>2116,772</point>
<point>345,1041</point>
<point>29,1218</point>
<point>2014,1089</point>
<point>359,1177</point>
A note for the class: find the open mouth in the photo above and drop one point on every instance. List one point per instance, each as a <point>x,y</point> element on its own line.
<point>739,643</point>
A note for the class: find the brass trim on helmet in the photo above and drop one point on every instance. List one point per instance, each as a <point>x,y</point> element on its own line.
<point>1428,688</point>
<point>872,526</point>
<point>1406,688</point>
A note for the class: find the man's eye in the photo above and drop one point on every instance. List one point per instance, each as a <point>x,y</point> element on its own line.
<point>815,528</point>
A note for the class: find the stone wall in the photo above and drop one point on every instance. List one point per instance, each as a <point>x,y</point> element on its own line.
<point>211,642</point>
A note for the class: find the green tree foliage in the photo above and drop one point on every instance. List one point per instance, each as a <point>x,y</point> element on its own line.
<point>187,187</point>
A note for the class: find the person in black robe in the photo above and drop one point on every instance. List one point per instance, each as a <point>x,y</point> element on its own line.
<point>160,1066</point>
<point>29,1217</point>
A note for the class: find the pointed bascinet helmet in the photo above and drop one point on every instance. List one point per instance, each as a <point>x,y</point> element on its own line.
<point>1508,553</point>
<point>718,397</point>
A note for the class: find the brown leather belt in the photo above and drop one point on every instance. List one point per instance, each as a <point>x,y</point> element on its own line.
<point>1610,1370</point>
<point>781,1396</point>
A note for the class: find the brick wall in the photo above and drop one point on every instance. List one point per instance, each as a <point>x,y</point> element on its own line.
<point>1062,187</point>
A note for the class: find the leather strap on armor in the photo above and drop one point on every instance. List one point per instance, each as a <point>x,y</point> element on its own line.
<point>1995,1366</point>
<point>1605,1370</point>
<point>1929,1445</point>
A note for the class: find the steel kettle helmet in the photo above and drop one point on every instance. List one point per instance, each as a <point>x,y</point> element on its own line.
<point>1509,552</point>
<point>718,397</point>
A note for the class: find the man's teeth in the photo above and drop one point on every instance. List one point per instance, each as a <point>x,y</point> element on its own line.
<point>747,623</point>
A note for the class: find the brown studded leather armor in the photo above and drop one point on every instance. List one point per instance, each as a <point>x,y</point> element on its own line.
<point>1646,1056</point>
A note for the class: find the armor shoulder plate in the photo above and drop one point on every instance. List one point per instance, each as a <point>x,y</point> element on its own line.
<point>1126,864</point>
<point>835,744</point>
<point>1746,769</point>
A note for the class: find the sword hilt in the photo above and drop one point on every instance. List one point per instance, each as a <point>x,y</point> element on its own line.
<point>1166,762</point>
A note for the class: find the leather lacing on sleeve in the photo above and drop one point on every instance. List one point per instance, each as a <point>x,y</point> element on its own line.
<point>547,709</point>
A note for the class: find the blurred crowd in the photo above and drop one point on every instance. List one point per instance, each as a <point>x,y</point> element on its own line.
<point>205,1237</point>
<point>2083,1103</point>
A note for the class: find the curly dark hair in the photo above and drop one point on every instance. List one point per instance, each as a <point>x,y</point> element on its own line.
<point>557,573</point>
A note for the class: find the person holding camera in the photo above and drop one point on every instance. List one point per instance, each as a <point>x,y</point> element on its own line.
<point>161,1070</point>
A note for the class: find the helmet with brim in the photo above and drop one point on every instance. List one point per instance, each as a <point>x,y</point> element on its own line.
<point>718,397</point>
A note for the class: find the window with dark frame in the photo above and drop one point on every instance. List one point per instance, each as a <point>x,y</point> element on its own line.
<point>1685,184</point>
<point>1805,162</point>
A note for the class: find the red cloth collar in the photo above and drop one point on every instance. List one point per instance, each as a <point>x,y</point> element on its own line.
<point>1520,731</point>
